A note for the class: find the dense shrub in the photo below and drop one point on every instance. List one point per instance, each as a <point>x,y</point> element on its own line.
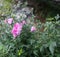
<point>30,43</point>
<point>21,37</point>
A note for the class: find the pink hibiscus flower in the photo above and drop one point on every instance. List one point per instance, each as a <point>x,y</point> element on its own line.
<point>9,21</point>
<point>17,28</point>
<point>33,28</point>
<point>23,22</point>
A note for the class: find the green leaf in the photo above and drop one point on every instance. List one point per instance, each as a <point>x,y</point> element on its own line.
<point>35,52</point>
<point>1,47</point>
<point>41,49</point>
<point>52,46</point>
<point>20,52</point>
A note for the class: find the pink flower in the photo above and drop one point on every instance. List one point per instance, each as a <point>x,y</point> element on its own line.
<point>17,28</point>
<point>23,22</point>
<point>33,28</point>
<point>9,21</point>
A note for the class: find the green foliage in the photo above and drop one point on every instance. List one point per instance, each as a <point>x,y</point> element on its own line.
<point>5,7</point>
<point>29,44</point>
